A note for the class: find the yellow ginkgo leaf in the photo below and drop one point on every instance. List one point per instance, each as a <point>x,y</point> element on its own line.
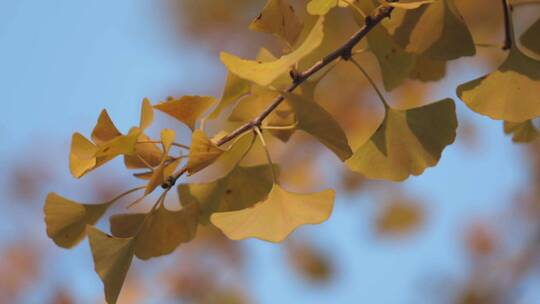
<point>399,218</point>
<point>105,130</point>
<point>408,5</point>
<point>158,175</point>
<point>235,88</point>
<point>278,18</point>
<point>120,145</point>
<point>264,73</point>
<point>315,120</point>
<point>146,154</point>
<point>436,30</point>
<point>277,216</point>
<point>240,189</point>
<point>162,230</point>
<point>530,39</point>
<point>82,155</point>
<point>112,258</point>
<point>407,142</point>
<point>427,69</point>
<point>322,7</point>
<point>522,132</point>
<point>66,220</point>
<point>202,152</point>
<point>147,114</point>
<point>510,93</point>
<point>187,109</point>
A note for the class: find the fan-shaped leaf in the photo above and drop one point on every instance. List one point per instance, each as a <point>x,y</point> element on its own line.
<point>522,132</point>
<point>187,109</point>
<point>202,152</point>
<point>105,130</point>
<point>322,7</point>
<point>278,18</point>
<point>235,87</point>
<point>82,155</point>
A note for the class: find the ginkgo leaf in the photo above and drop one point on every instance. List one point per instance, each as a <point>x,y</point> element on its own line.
<point>278,18</point>
<point>427,69</point>
<point>407,142</point>
<point>158,175</point>
<point>530,39</point>
<point>112,258</point>
<point>66,220</point>
<point>240,189</point>
<point>82,155</point>
<point>105,130</point>
<point>408,5</point>
<point>399,218</point>
<point>522,132</point>
<point>315,120</point>
<point>322,7</point>
<point>146,154</point>
<point>120,145</point>
<point>147,114</point>
<point>187,109</point>
<point>264,73</point>
<point>510,93</point>
<point>436,30</point>
<point>162,230</point>
<point>277,216</point>
<point>235,87</point>
<point>202,152</point>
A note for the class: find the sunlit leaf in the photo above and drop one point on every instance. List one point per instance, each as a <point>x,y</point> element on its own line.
<point>522,132</point>
<point>187,109</point>
<point>235,88</point>
<point>145,153</point>
<point>82,155</point>
<point>66,220</point>
<point>105,130</point>
<point>407,142</point>
<point>315,120</point>
<point>112,258</point>
<point>159,175</point>
<point>510,93</point>
<point>120,145</point>
<point>162,230</point>
<point>278,18</point>
<point>436,30</point>
<point>530,38</point>
<point>277,216</point>
<point>322,7</point>
<point>202,152</point>
<point>264,73</point>
<point>240,189</point>
<point>147,114</point>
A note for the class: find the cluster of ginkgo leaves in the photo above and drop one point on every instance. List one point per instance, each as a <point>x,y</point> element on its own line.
<point>274,96</point>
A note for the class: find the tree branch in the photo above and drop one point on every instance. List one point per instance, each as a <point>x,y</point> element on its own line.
<point>507,26</point>
<point>345,52</point>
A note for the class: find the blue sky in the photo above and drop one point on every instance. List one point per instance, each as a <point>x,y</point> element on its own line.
<point>63,61</point>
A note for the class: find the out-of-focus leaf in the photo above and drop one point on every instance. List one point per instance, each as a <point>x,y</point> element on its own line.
<point>315,120</point>
<point>278,18</point>
<point>235,88</point>
<point>522,132</point>
<point>202,153</point>
<point>66,220</point>
<point>264,73</point>
<point>277,216</point>
<point>322,7</point>
<point>407,142</point>
<point>105,130</point>
<point>530,38</point>
<point>162,230</point>
<point>399,218</point>
<point>310,262</point>
<point>112,258</point>
<point>187,109</point>
<point>240,189</point>
<point>510,93</point>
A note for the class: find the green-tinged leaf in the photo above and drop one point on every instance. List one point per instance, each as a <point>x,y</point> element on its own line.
<point>66,220</point>
<point>278,18</point>
<point>82,155</point>
<point>235,88</point>
<point>407,142</point>
<point>277,216</point>
<point>408,5</point>
<point>202,153</point>
<point>322,7</point>
<point>105,130</point>
<point>264,73</point>
<point>187,109</point>
<point>162,230</point>
<point>522,132</point>
<point>315,120</point>
<point>112,258</point>
<point>510,93</point>
<point>530,39</point>
<point>240,189</point>
<point>436,30</point>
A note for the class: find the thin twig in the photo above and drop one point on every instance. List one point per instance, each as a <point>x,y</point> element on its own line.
<point>507,26</point>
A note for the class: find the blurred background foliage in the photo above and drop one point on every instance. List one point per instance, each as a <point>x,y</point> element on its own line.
<point>467,231</point>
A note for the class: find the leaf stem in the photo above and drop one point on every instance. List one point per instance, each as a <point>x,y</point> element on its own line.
<point>371,81</point>
<point>268,157</point>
